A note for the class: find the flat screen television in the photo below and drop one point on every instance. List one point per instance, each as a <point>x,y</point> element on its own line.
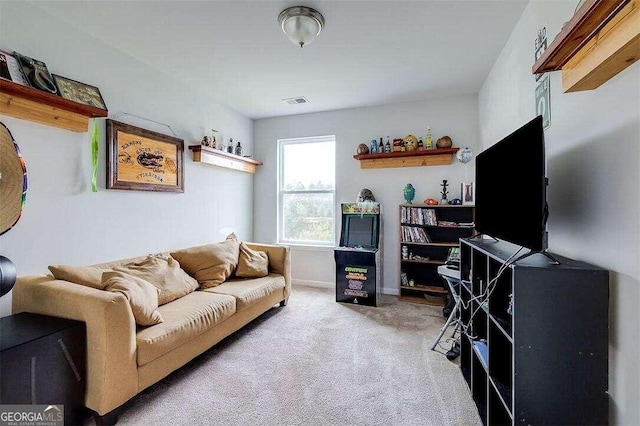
<point>359,230</point>
<point>511,188</point>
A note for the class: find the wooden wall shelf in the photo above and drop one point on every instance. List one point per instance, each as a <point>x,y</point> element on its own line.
<point>601,39</point>
<point>215,157</point>
<point>41,107</point>
<point>431,157</point>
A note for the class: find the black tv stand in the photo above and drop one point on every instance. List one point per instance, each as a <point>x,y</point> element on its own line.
<point>535,351</point>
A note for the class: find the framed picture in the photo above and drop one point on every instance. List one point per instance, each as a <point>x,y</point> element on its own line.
<point>36,73</point>
<point>10,68</point>
<point>142,160</point>
<point>79,92</point>
<point>468,193</point>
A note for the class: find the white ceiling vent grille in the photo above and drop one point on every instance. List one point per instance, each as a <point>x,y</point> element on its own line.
<point>297,100</point>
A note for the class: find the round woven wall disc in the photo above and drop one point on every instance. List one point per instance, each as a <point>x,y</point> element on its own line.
<point>13,181</point>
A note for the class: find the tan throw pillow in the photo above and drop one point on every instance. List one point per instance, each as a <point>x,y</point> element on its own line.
<point>142,296</point>
<point>164,273</point>
<point>212,264</point>
<point>89,276</point>
<point>252,263</point>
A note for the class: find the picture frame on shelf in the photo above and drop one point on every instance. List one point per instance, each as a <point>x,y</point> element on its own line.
<point>143,160</point>
<point>36,73</point>
<point>10,68</point>
<point>468,193</point>
<point>81,93</point>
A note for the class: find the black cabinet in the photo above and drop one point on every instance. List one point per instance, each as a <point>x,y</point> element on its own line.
<point>43,361</point>
<point>535,345</point>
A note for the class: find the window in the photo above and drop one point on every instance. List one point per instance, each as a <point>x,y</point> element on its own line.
<point>306,188</point>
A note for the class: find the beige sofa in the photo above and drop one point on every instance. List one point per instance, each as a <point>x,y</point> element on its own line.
<point>123,358</point>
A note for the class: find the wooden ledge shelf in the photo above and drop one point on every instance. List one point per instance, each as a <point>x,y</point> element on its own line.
<point>599,41</point>
<point>430,157</point>
<point>42,107</point>
<point>215,157</point>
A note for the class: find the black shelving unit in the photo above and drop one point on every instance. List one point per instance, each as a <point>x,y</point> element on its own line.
<point>427,232</point>
<point>535,352</point>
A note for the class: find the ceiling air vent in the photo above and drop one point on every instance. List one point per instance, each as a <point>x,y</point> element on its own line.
<point>297,100</point>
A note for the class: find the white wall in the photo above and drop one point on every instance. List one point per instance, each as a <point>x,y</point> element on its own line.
<point>455,116</point>
<point>64,222</point>
<point>593,152</point>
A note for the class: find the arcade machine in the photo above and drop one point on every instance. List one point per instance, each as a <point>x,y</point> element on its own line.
<point>358,259</point>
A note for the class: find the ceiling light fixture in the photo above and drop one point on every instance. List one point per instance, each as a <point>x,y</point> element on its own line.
<point>301,24</point>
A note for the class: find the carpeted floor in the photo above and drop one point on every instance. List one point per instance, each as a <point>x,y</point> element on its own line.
<point>317,362</point>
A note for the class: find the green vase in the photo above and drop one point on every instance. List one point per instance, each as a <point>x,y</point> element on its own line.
<point>409,193</point>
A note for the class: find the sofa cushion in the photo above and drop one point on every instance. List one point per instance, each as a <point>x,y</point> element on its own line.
<point>164,273</point>
<point>247,292</point>
<point>142,296</point>
<point>252,263</point>
<point>84,275</point>
<point>184,320</point>
<point>212,264</point>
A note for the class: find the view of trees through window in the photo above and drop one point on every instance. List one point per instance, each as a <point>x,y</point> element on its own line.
<point>307,185</point>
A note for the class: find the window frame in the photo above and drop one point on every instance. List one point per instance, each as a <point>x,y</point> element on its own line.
<point>282,143</point>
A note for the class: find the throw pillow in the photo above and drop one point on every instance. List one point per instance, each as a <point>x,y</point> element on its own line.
<point>164,273</point>
<point>212,264</point>
<point>142,296</point>
<point>252,263</point>
<point>89,276</point>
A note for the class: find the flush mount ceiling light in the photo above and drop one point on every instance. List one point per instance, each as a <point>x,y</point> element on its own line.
<point>301,24</point>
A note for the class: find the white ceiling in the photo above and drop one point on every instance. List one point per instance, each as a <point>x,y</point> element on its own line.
<point>370,52</point>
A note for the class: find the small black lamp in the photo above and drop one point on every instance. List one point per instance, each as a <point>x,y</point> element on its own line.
<point>7,275</point>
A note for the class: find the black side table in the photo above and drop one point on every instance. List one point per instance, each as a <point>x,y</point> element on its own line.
<point>43,361</point>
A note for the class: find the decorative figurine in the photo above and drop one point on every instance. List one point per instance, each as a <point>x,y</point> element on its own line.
<point>363,149</point>
<point>206,141</point>
<point>409,193</point>
<point>444,184</point>
<point>411,142</point>
<point>365,195</point>
<point>456,202</point>
<point>431,202</point>
<point>444,142</point>
<point>374,147</point>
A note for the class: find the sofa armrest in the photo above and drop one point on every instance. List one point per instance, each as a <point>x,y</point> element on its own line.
<point>279,262</point>
<point>112,374</point>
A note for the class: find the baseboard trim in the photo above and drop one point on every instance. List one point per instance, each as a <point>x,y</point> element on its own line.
<point>310,283</point>
<point>331,285</point>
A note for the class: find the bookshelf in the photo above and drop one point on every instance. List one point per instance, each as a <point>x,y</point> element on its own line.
<point>426,234</point>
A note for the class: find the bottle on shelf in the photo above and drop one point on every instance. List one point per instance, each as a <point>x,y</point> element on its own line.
<point>420,145</point>
<point>230,146</point>
<point>428,139</point>
<point>380,147</point>
<point>374,147</point>
<point>214,142</point>
<point>239,149</point>
<point>387,147</point>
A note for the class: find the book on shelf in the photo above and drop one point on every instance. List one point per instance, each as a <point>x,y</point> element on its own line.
<point>412,234</point>
<point>448,224</point>
<point>418,216</point>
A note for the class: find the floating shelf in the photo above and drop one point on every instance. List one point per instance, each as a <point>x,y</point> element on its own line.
<point>215,157</point>
<point>42,107</point>
<point>430,157</point>
<point>601,39</point>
